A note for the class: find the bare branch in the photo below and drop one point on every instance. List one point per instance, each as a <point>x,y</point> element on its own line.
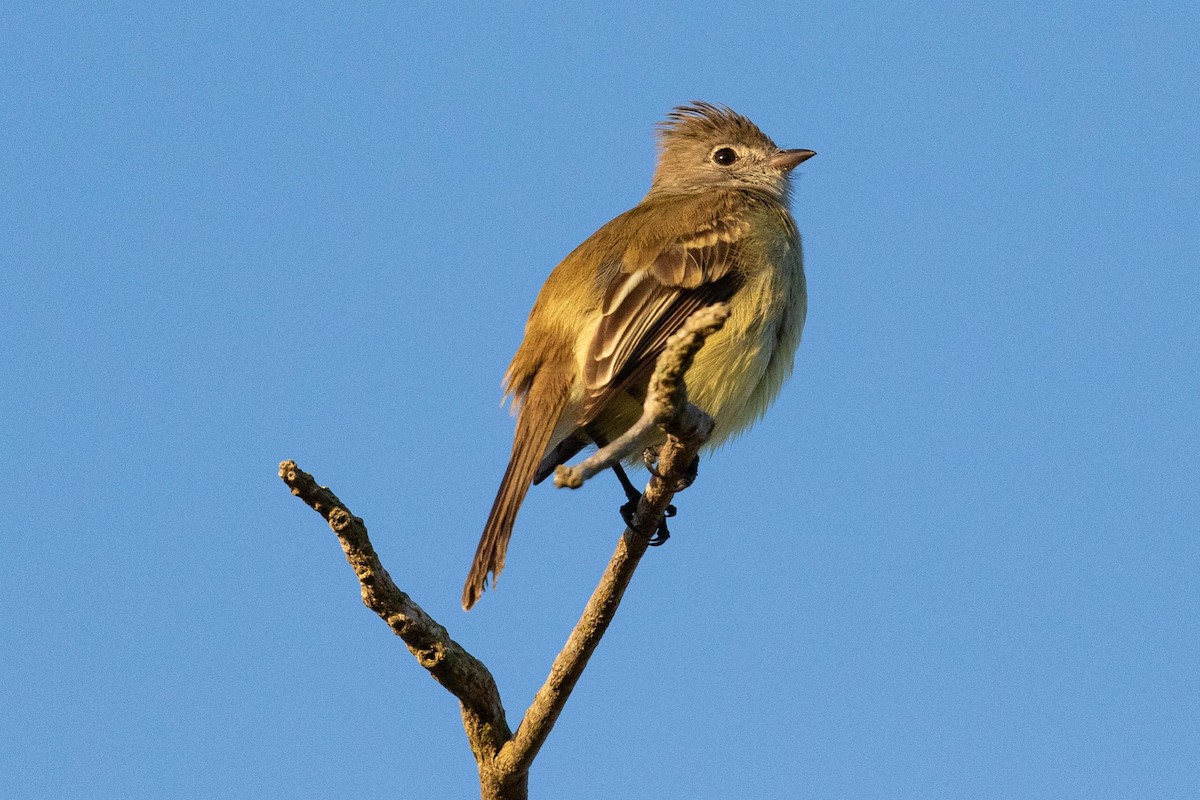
<point>504,759</point>
<point>461,673</point>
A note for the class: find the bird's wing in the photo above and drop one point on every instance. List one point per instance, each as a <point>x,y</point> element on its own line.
<point>657,289</point>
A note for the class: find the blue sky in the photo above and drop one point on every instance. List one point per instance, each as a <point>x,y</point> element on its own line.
<point>957,559</point>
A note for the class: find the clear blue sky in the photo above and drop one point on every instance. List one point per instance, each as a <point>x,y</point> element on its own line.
<point>959,558</point>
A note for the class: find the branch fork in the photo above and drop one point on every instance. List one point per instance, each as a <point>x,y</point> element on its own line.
<point>504,757</point>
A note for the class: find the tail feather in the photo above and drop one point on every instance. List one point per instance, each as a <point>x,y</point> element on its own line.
<point>539,415</point>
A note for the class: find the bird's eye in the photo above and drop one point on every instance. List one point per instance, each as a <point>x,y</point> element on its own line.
<point>724,156</point>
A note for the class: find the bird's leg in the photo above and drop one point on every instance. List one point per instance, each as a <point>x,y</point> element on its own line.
<point>631,492</point>
<point>661,534</point>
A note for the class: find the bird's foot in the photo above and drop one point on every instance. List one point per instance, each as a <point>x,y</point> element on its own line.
<point>661,533</point>
<point>650,459</point>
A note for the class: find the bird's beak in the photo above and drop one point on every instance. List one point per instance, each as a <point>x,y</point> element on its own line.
<point>785,160</point>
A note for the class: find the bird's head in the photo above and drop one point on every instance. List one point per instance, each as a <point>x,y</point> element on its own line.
<point>703,146</point>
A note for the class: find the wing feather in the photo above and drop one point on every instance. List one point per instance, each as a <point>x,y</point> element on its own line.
<point>656,290</point>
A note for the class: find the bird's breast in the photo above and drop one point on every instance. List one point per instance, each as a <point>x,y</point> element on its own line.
<point>741,369</point>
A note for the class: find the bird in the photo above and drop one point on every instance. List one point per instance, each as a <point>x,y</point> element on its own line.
<point>715,226</point>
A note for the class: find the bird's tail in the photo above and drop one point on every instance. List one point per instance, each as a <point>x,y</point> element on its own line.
<point>540,412</point>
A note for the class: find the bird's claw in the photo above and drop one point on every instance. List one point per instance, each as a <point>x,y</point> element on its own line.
<point>661,533</point>
<point>650,459</point>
